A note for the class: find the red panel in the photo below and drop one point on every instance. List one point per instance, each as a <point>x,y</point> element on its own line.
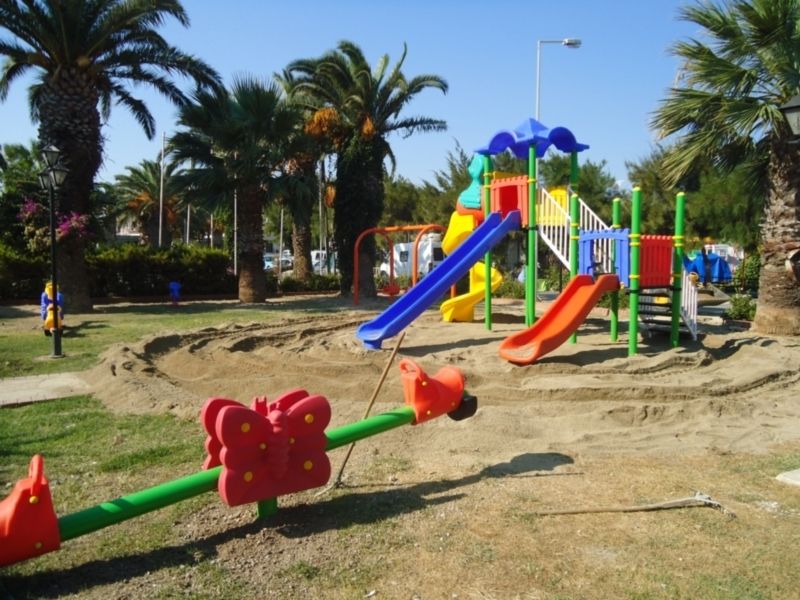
<point>655,262</point>
<point>510,193</point>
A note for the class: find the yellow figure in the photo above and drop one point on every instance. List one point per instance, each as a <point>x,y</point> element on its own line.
<point>48,318</point>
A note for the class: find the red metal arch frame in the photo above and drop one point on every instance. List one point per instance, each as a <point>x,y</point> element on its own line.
<point>385,231</point>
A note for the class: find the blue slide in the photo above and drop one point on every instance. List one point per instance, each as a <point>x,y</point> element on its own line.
<point>412,304</point>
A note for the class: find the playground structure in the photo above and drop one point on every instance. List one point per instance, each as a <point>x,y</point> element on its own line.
<point>392,289</point>
<point>52,319</point>
<point>650,267</point>
<point>254,455</point>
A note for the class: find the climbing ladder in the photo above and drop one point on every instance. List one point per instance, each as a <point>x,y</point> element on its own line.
<point>655,308</point>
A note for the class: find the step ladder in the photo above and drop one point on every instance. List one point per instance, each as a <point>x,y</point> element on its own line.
<point>655,309</point>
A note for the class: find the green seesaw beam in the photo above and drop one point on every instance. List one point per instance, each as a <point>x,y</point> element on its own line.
<point>136,504</point>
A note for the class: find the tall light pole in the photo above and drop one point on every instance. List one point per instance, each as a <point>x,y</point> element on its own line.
<point>50,179</point>
<point>574,43</point>
<point>567,42</point>
<point>161,190</point>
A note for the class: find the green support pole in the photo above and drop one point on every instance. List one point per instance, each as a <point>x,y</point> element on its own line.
<point>136,504</point>
<point>573,172</point>
<point>487,259</point>
<point>574,236</point>
<point>616,223</point>
<point>633,301</point>
<point>677,268</point>
<point>533,238</point>
<point>267,508</point>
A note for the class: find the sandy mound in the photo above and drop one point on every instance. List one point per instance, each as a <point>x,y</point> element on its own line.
<point>728,392</point>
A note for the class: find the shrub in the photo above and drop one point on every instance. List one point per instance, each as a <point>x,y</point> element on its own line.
<point>324,283</point>
<point>290,284</point>
<point>624,300</point>
<point>553,276</point>
<point>746,276</point>
<point>272,283</point>
<point>511,288</point>
<point>21,275</point>
<point>316,283</point>
<point>742,307</point>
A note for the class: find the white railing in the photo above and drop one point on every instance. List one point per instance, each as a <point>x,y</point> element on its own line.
<point>689,304</point>
<point>553,223</point>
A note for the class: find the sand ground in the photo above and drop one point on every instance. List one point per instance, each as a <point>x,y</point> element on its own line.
<point>727,391</point>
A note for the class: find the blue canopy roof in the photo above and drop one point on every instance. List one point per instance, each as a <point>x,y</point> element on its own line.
<point>717,271</point>
<point>531,132</point>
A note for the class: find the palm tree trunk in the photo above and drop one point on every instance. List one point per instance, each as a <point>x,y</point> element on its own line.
<point>359,205</point>
<point>301,250</point>
<point>252,281</point>
<point>778,308</point>
<point>69,119</point>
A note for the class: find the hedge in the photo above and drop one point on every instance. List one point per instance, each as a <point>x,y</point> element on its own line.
<point>132,270</point>
<point>125,271</point>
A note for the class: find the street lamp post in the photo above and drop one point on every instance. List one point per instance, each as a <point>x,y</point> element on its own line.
<point>567,42</point>
<point>574,43</point>
<point>50,179</point>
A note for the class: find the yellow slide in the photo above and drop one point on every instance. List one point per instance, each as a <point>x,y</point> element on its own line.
<point>462,308</point>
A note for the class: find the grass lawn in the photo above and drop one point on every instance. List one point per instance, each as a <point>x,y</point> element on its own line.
<point>25,350</point>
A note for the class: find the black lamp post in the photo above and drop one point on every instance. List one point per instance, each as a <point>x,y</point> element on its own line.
<point>791,110</point>
<point>51,178</point>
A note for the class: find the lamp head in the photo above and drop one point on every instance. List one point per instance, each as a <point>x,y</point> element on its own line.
<point>571,42</point>
<point>50,155</point>
<point>791,112</point>
<point>59,174</point>
<point>44,179</point>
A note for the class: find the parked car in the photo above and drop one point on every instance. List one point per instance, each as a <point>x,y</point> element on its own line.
<point>430,255</point>
<point>271,262</point>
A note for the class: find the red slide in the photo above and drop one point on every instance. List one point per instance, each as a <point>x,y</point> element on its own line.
<point>559,321</point>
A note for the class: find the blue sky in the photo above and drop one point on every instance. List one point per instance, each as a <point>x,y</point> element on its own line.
<point>604,91</point>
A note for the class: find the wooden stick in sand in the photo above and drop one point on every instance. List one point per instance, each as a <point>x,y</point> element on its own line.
<point>699,499</point>
<point>338,481</point>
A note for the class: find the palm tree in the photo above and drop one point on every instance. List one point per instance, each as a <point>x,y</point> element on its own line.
<point>357,107</point>
<point>726,110</point>
<point>85,53</point>
<point>139,192</point>
<point>239,141</point>
<point>302,188</point>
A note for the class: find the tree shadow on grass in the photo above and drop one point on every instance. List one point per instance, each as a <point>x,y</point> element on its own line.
<point>338,512</point>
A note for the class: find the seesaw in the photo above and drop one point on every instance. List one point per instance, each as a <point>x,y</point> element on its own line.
<point>255,454</point>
